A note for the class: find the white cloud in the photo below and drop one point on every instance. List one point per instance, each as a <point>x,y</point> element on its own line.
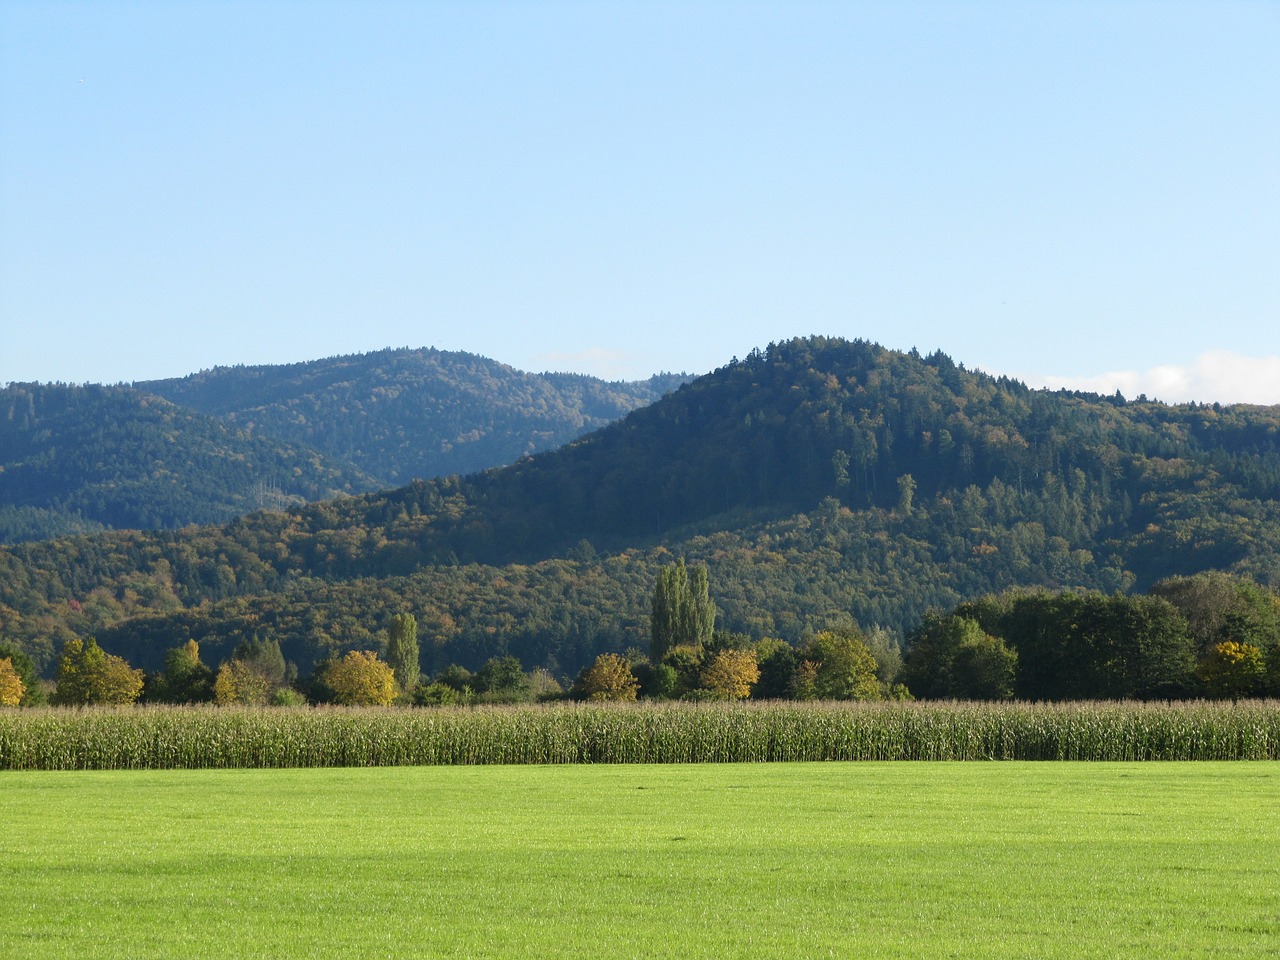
<point>1220,376</point>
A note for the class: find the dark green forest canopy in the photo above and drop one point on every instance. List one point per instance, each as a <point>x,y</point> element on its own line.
<point>401,414</point>
<point>215,445</point>
<point>74,459</point>
<point>782,473</point>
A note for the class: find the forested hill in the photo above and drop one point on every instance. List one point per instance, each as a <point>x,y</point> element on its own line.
<point>822,481</point>
<point>401,414</point>
<point>78,458</point>
<point>215,445</point>
<point>871,429</point>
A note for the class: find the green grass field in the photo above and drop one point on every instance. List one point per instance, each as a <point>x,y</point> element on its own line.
<point>778,860</point>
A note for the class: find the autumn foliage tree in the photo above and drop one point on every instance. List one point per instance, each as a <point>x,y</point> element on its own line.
<point>253,675</point>
<point>25,668</point>
<point>609,678</point>
<point>731,674</point>
<point>360,679</point>
<point>185,678</point>
<point>11,686</point>
<point>1234,670</point>
<point>238,682</point>
<point>87,675</point>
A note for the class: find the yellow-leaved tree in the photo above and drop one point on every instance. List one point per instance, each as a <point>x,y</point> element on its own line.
<point>11,686</point>
<point>731,674</point>
<point>360,679</point>
<point>238,682</point>
<point>88,675</point>
<point>1234,670</point>
<point>254,675</point>
<point>609,678</point>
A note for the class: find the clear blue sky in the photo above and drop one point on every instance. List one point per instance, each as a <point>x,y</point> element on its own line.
<point>1084,191</point>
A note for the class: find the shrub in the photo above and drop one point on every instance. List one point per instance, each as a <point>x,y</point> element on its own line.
<point>438,694</point>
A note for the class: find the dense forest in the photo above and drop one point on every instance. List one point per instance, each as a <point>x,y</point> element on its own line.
<point>75,459</point>
<point>401,414</point>
<point>823,483</point>
<point>218,444</point>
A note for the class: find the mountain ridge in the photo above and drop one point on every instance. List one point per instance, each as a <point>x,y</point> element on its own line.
<point>823,482</point>
<point>412,413</point>
<point>164,454</point>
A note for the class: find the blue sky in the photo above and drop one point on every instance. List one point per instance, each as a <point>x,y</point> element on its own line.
<point>1075,193</point>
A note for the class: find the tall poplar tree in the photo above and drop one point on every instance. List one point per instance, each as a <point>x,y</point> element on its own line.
<point>402,650</point>
<point>683,613</point>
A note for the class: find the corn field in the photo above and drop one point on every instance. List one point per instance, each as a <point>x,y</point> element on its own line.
<point>212,737</point>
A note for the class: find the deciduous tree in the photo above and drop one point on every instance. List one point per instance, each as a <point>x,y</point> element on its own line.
<point>682,612</point>
<point>950,656</point>
<point>25,668</point>
<point>239,682</point>
<point>185,679</point>
<point>254,673</point>
<point>843,668</point>
<point>360,679</point>
<point>11,686</point>
<point>87,675</point>
<point>609,678</point>
<point>503,680</point>
<point>402,650</point>
<point>1234,670</point>
<point>731,674</point>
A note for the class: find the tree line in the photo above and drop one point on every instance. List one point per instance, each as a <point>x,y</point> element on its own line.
<point>1209,635</point>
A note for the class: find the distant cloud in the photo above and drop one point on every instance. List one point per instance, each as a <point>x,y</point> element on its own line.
<point>598,362</point>
<point>1219,376</point>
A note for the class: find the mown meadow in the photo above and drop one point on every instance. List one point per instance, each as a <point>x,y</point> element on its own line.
<point>901,860</point>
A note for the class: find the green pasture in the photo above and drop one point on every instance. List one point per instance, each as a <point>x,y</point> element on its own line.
<point>730,860</point>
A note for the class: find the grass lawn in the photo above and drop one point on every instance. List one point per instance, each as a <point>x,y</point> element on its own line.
<point>781,860</point>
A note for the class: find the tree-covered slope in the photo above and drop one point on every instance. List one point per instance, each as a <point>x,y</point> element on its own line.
<point>206,448</point>
<point>77,457</point>
<point>822,481</point>
<point>401,414</point>
<point>871,429</point>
